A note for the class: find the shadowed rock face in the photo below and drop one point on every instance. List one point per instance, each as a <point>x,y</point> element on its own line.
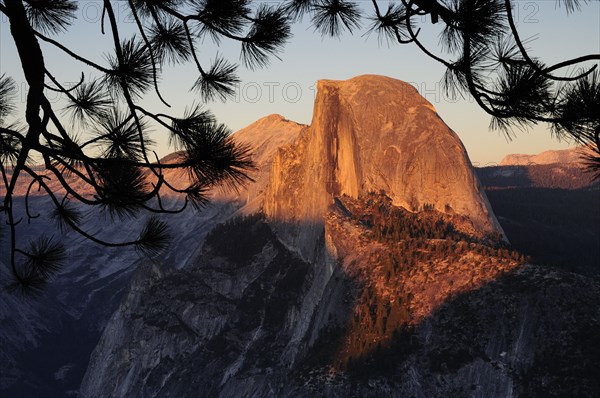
<point>258,321</point>
<point>46,343</point>
<point>373,133</point>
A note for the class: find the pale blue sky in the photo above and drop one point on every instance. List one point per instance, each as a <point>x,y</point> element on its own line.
<point>287,86</point>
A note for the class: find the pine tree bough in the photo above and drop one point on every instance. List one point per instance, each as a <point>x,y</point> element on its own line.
<point>115,168</point>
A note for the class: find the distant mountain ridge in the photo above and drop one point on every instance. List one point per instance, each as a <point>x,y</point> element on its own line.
<point>562,156</point>
<point>555,169</point>
<point>548,205</point>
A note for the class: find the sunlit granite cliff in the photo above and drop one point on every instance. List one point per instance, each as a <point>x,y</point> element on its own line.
<point>371,134</point>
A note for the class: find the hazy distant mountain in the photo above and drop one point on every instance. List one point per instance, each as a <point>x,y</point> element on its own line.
<point>364,261</point>
<point>564,169</point>
<point>563,156</point>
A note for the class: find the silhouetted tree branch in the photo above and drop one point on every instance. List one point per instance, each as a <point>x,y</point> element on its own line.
<point>488,60</point>
<point>103,155</point>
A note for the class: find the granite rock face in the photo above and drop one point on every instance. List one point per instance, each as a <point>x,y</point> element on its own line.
<point>363,261</point>
<point>370,134</point>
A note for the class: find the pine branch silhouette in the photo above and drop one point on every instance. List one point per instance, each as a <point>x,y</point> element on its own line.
<point>102,155</point>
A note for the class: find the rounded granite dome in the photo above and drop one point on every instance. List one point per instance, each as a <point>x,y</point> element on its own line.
<point>374,133</point>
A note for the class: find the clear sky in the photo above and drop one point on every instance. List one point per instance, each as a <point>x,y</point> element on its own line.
<point>287,86</point>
